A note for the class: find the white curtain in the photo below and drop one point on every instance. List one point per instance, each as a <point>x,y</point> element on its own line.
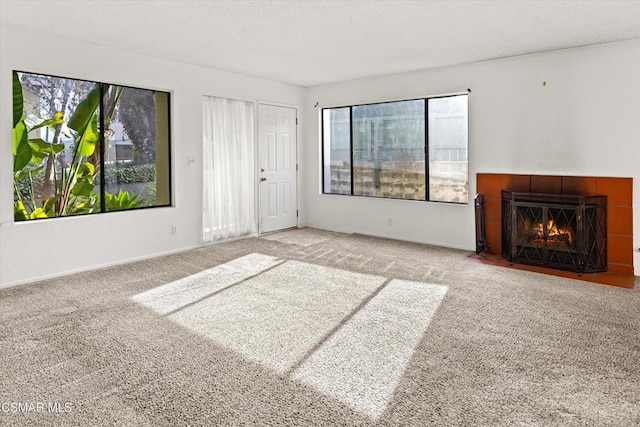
<point>228,169</point>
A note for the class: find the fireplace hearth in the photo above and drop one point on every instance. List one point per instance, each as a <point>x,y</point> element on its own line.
<point>565,232</point>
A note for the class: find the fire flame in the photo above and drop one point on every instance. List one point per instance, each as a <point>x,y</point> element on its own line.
<point>555,234</point>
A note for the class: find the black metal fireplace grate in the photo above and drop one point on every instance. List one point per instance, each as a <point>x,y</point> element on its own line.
<point>565,232</point>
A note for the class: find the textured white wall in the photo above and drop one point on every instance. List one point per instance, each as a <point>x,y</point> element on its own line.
<point>47,248</point>
<point>584,121</point>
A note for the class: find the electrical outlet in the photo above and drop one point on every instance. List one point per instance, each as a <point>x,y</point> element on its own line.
<point>191,160</point>
<point>389,222</point>
<point>174,230</point>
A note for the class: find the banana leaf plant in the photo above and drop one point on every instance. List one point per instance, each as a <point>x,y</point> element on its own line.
<point>73,187</point>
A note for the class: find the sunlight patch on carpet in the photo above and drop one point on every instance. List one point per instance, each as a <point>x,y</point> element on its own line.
<point>300,237</point>
<point>348,335</point>
<point>276,318</point>
<point>175,295</point>
<point>362,363</point>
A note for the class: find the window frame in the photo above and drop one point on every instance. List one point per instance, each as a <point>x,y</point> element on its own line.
<point>102,147</point>
<point>425,99</point>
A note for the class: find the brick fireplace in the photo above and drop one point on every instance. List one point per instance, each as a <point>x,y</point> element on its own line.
<point>619,227</point>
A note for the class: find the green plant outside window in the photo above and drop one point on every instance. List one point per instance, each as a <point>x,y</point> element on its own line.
<point>83,147</point>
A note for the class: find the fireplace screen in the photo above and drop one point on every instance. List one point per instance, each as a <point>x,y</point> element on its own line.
<point>565,232</point>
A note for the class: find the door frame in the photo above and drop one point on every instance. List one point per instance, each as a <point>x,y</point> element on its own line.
<point>257,165</point>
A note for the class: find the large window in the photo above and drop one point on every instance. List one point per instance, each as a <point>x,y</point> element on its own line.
<point>414,149</point>
<point>83,147</point>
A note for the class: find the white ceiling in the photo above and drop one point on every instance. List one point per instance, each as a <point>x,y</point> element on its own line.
<point>313,42</point>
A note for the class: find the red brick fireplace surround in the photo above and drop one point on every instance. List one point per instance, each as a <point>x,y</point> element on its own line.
<point>619,192</point>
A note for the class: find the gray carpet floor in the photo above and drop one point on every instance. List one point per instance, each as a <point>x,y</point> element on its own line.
<point>309,327</point>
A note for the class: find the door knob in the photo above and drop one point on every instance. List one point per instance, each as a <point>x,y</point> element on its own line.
<point>263,179</point>
<point>261,169</point>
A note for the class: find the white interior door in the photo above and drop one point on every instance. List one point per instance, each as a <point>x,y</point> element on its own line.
<point>278,189</point>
